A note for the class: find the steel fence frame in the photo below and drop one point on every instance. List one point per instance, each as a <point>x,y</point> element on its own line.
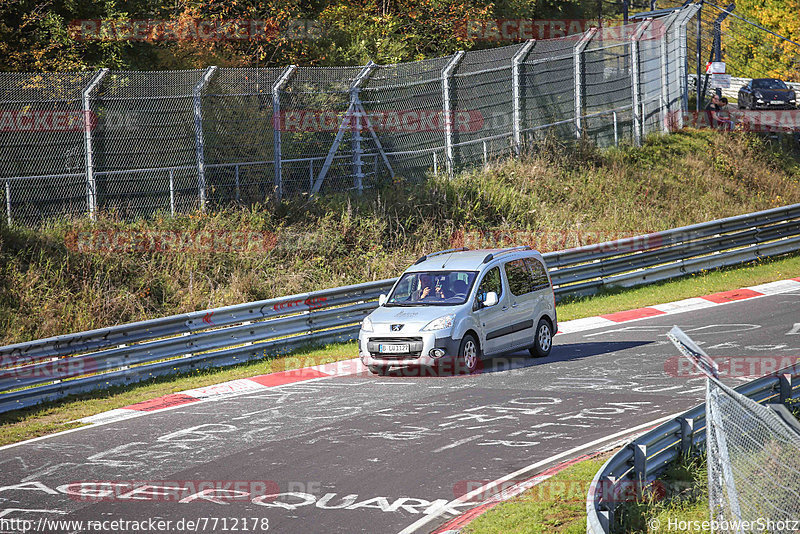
<point>639,461</point>
<point>52,368</point>
<point>179,141</point>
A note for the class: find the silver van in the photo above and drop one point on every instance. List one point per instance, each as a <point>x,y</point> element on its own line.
<point>453,307</point>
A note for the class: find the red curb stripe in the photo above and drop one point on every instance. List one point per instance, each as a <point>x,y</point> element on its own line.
<point>729,296</point>
<point>639,313</point>
<point>287,377</point>
<point>796,279</point>
<point>461,521</point>
<point>167,401</point>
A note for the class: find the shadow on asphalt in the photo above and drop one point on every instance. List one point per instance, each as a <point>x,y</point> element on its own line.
<point>512,361</point>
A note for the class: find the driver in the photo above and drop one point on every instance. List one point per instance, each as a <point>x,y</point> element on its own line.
<point>428,290</point>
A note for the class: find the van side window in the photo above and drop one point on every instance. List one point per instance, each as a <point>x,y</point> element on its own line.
<point>490,282</point>
<point>539,273</point>
<point>519,277</point>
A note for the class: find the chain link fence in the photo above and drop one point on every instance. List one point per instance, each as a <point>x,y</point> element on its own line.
<point>753,450</point>
<point>753,464</point>
<point>139,143</point>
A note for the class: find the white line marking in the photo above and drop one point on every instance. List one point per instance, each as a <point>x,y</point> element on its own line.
<point>197,403</point>
<point>457,443</point>
<point>483,489</point>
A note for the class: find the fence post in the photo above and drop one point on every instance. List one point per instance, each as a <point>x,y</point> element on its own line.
<point>579,86</point>
<point>172,192</point>
<point>8,202</point>
<point>286,75</point>
<point>699,99</point>
<point>88,124</point>
<point>665,89</point>
<point>516,91</point>
<point>238,186</point>
<point>447,73</point>
<point>197,95</point>
<point>355,105</point>
<point>636,85</point>
<point>616,130</point>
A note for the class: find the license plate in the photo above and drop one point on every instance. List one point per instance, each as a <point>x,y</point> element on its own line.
<point>393,349</point>
<point>777,102</point>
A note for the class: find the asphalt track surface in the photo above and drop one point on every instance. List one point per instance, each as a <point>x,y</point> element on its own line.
<point>375,454</point>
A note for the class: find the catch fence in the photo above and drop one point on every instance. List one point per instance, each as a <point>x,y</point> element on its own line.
<point>138,143</point>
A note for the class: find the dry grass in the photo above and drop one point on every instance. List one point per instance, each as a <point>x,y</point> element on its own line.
<point>562,195</point>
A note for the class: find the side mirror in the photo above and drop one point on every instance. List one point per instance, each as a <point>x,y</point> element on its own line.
<point>491,299</point>
<point>382,300</point>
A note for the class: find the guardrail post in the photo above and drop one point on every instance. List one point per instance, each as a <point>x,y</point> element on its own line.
<point>88,124</point>
<point>687,435</point>
<point>785,387</point>
<point>447,73</point>
<point>355,101</point>
<point>286,75</point>
<point>606,518</point>
<point>616,130</point>
<point>579,85</point>
<point>516,91</point>
<point>197,95</point>
<point>636,84</point>
<point>639,467</point>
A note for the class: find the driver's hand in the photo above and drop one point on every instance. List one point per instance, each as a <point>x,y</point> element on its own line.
<point>425,292</point>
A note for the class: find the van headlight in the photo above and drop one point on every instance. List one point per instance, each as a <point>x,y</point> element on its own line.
<point>445,321</point>
<point>366,325</point>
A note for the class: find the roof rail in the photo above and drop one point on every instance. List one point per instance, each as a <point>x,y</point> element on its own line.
<point>493,255</point>
<point>427,256</point>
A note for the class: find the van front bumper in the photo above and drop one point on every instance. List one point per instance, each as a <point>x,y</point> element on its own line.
<point>420,346</point>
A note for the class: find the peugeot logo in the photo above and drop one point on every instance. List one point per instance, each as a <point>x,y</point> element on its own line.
<point>397,327</point>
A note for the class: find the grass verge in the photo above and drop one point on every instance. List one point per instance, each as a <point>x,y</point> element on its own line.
<point>556,505</point>
<point>679,494</point>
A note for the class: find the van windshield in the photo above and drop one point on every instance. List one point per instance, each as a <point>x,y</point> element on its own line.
<point>437,288</point>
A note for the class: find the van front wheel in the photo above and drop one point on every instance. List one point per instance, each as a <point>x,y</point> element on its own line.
<point>543,340</point>
<point>469,353</point>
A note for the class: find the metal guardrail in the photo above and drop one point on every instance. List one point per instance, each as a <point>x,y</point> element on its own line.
<point>48,369</point>
<point>646,456</point>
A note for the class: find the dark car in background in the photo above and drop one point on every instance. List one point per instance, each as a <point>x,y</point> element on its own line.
<point>767,93</point>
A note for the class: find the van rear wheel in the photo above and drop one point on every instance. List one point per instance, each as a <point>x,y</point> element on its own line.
<point>543,340</point>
